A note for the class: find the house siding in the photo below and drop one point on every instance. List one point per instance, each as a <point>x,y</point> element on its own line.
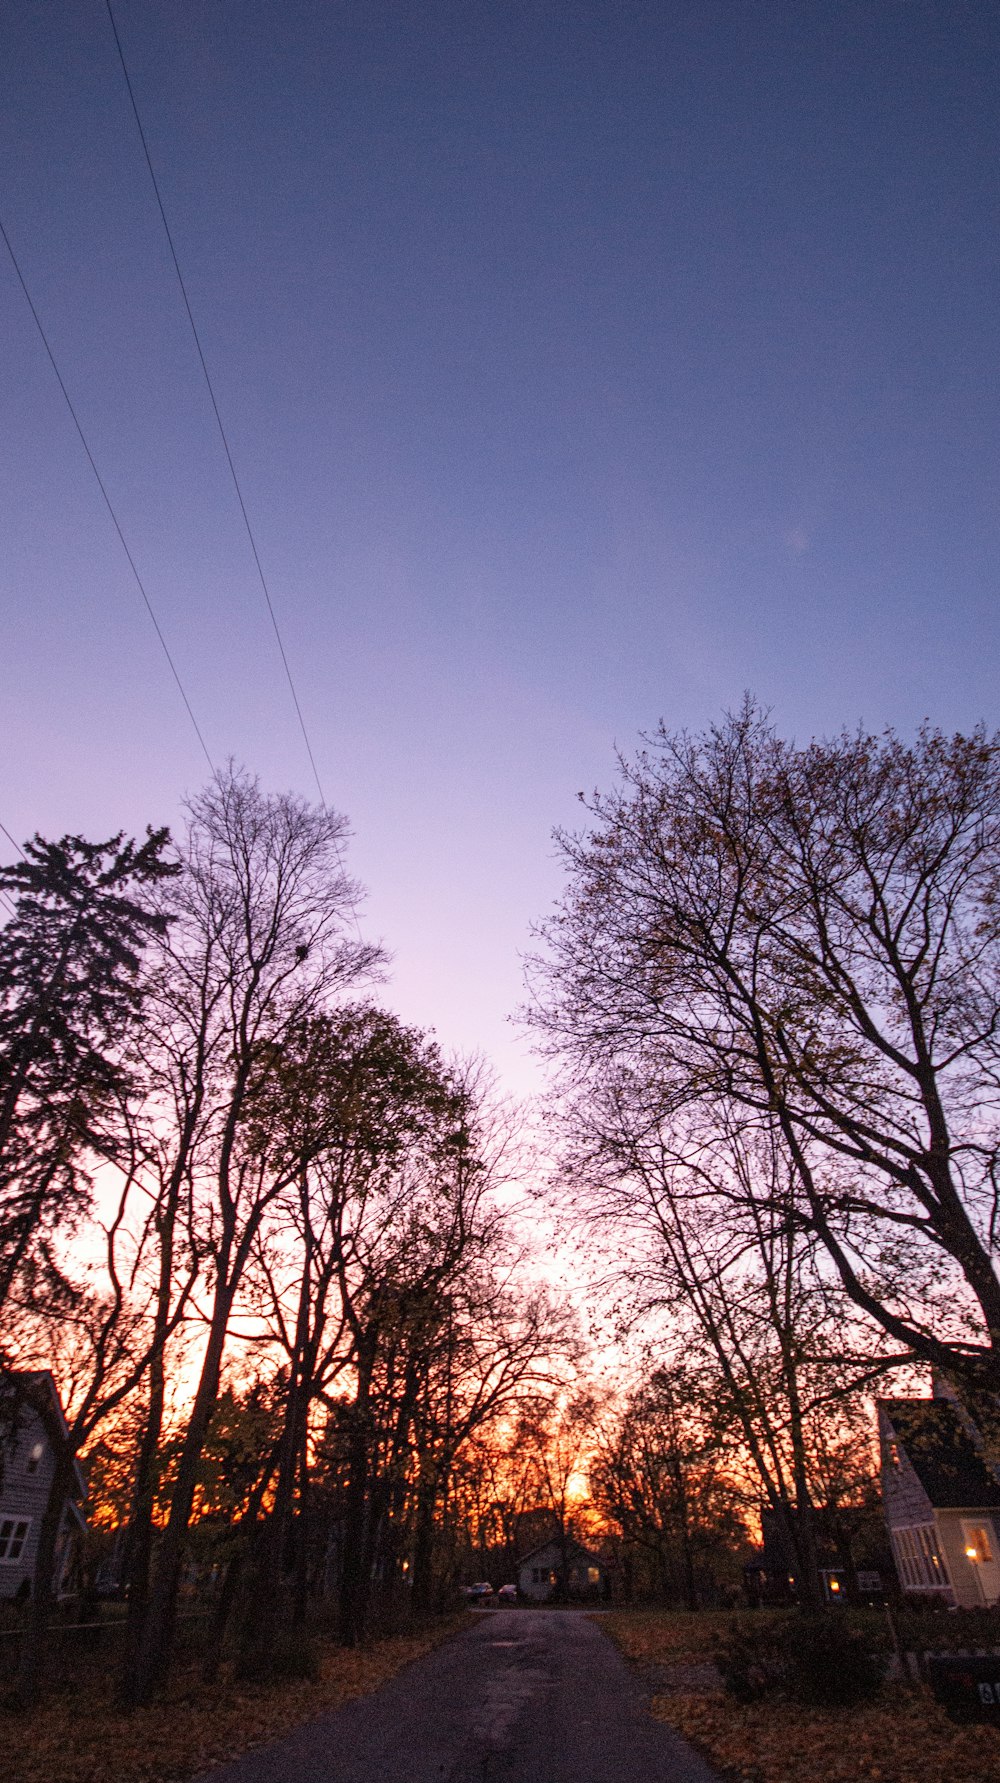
<point>967,1581</point>
<point>535,1580</point>
<point>24,1494</point>
<point>908,1506</point>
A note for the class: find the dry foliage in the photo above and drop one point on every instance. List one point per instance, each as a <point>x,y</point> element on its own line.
<point>903,1738</point>
<point>82,1738</point>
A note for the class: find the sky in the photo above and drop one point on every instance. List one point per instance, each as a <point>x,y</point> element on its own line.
<point>583,365</point>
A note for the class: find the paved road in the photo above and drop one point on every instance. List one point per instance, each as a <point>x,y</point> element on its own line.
<point>526,1696</point>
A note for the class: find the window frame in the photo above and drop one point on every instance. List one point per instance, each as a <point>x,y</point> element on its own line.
<point>14,1529</point>
<point>919,1557</point>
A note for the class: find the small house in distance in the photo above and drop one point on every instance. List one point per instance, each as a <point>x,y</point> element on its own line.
<point>562,1569</point>
<point>27,1464</point>
<point>941,1498</point>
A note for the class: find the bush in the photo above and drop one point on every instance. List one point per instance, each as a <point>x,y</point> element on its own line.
<point>940,1629</point>
<point>818,1660</point>
<point>828,1663</point>
<point>747,1661</point>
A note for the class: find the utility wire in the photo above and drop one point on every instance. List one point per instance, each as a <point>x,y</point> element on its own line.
<point>107,499</point>
<point>12,907</point>
<point>215,410</point>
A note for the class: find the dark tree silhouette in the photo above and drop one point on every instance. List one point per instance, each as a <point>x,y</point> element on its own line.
<point>811,937</point>
<point>70,998</point>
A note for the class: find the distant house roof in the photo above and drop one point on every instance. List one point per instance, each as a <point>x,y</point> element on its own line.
<point>573,1549</point>
<point>943,1455</point>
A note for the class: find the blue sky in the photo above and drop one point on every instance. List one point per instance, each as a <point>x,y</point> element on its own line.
<point>583,365</point>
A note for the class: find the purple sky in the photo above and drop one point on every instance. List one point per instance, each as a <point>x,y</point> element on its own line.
<point>583,365</point>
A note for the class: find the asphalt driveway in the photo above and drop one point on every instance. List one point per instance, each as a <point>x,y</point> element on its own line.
<point>525,1696</point>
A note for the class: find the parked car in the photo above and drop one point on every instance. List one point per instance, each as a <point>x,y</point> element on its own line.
<point>477,1593</point>
<point>507,1594</point>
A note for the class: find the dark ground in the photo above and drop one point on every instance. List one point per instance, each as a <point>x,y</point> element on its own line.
<point>526,1696</point>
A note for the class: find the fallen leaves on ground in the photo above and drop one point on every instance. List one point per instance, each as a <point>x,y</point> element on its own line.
<point>666,1637</point>
<point>84,1739</point>
<point>906,1738</point>
<point>903,1737</point>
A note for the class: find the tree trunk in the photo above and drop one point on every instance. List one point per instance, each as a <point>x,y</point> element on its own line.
<point>139,1537</point>
<point>353,1591</point>
<point>32,1657</point>
<point>156,1639</point>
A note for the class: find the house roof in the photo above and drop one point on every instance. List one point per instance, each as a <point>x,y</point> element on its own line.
<point>34,1379</point>
<point>574,1551</point>
<point>943,1455</point>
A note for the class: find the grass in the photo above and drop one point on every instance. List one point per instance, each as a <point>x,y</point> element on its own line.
<point>902,1737</point>
<point>77,1736</point>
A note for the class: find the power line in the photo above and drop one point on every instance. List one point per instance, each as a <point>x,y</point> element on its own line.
<point>12,907</point>
<point>107,499</point>
<point>215,409</point>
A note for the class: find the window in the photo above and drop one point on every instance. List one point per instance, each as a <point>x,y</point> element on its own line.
<point>919,1560</point>
<point>34,1458</point>
<point>978,1548</point>
<point>594,1575</point>
<point>13,1535</point>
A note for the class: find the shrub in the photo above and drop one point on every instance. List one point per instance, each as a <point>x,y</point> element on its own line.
<point>819,1660</point>
<point>827,1662</point>
<point>747,1660</point>
<point>940,1629</point>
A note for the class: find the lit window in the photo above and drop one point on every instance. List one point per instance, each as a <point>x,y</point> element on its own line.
<point>35,1457</point>
<point>13,1535</point>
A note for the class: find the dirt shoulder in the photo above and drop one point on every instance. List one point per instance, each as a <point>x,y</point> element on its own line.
<point>904,1737</point>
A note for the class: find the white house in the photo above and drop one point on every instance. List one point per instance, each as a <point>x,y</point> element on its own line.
<point>27,1464</point>
<point>941,1498</point>
<point>563,1568</point>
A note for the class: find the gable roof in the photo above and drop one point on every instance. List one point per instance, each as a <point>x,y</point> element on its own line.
<point>573,1549</point>
<point>943,1455</point>
<point>35,1380</point>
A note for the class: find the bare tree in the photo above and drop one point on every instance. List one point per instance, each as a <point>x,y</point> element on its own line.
<point>257,943</point>
<point>812,936</point>
<point>94,1329</point>
<point>706,1223</point>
